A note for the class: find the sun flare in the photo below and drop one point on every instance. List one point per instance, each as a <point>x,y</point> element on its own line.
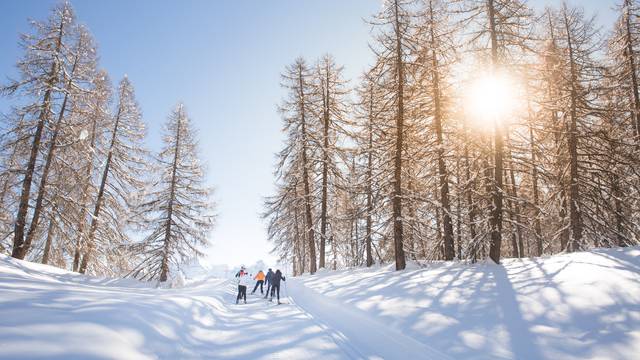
<point>490,98</point>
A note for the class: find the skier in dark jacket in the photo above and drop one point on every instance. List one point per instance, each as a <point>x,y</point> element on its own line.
<point>275,284</point>
<point>267,281</point>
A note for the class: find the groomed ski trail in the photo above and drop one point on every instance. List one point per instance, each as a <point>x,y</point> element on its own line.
<point>51,313</point>
<point>355,332</point>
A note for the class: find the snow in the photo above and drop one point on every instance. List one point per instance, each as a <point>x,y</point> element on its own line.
<point>48,312</point>
<point>573,306</point>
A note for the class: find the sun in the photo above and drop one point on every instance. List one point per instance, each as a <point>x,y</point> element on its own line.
<point>490,98</point>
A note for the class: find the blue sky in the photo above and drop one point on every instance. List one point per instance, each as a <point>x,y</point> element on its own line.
<point>223,59</point>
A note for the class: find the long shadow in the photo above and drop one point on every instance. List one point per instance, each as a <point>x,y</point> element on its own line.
<point>524,309</point>
<point>520,337</point>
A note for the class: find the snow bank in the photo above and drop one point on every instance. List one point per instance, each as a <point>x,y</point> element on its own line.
<point>574,306</point>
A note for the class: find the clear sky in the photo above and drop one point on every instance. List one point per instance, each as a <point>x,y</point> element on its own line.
<point>223,59</point>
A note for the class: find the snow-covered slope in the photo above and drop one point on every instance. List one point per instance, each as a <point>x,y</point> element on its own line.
<point>575,306</point>
<point>53,314</point>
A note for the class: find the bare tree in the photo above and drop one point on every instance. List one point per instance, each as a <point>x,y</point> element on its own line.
<point>120,178</point>
<point>178,208</point>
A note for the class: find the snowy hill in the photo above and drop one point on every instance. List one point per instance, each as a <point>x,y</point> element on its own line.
<point>575,306</point>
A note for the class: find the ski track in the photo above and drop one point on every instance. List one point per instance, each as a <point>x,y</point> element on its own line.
<point>53,314</point>
<point>577,306</point>
<point>355,332</point>
<point>50,313</point>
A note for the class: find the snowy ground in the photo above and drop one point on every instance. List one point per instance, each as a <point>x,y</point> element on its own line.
<point>577,306</point>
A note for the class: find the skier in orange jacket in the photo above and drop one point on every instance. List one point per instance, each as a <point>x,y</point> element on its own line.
<point>260,281</point>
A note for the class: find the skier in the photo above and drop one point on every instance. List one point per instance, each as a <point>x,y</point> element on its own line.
<point>275,284</point>
<point>268,281</point>
<point>242,268</point>
<point>243,282</point>
<point>260,281</point>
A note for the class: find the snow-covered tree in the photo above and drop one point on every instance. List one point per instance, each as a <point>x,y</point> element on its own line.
<point>42,77</point>
<point>331,97</point>
<point>394,42</point>
<point>120,178</point>
<point>178,208</point>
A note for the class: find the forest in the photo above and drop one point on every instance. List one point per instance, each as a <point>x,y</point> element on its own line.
<point>79,189</point>
<point>481,129</point>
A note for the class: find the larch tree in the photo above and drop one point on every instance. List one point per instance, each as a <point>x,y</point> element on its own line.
<point>98,118</point>
<point>370,114</point>
<point>178,209</point>
<point>505,25</point>
<point>623,48</point>
<point>579,78</point>
<point>41,77</point>
<point>393,50</point>
<point>14,146</point>
<point>298,153</point>
<point>331,95</point>
<point>77,74</point>
<point>435,57</point>
<point>119,179</point>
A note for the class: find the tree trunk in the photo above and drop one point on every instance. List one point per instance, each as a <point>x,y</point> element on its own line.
<point>164,267</point>
<point>369,183</point>
<point>99,199</point>
<point>85,195</point>
<point>397,184</point>
<point>325,170</point>
<point>19,247</point>
<point>575,217</point>
<point>305,180</point>
<point>469,198</point>
<point>510,206</point>
<point>303,261</point>
<point>496,211</point>
<point>443,176</point>
<point>42,190</point>
<point>47,244</point>
<point>537,227</point>
<point>334,251</point>
<point>458,210</point>
<point>357,240</point>
<point>296,244</point>
<point>517,217</point>
<point>632,69</point>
